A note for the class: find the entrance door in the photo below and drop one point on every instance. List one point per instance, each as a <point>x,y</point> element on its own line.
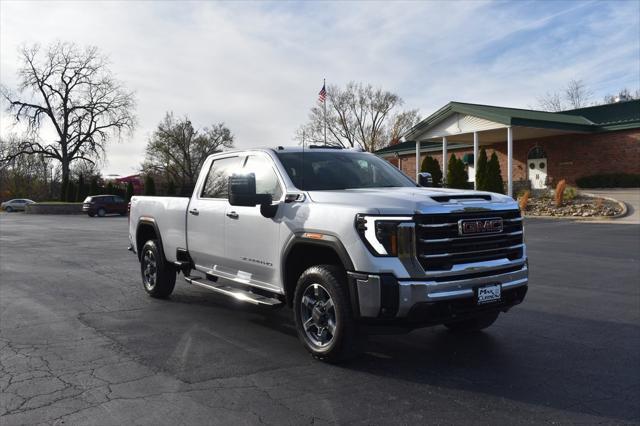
<point>538,173</point>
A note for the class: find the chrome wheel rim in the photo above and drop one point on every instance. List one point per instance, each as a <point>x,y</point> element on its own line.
<point>318,315</point>
<point>149,270</point>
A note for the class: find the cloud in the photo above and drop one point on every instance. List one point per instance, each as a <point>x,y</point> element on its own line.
<point>258,66</point>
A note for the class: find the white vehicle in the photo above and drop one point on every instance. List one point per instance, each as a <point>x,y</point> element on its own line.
<point>15,205</point>
<point>343,237</point>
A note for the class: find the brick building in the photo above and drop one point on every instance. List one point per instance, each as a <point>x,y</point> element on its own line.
<point>535,148</point>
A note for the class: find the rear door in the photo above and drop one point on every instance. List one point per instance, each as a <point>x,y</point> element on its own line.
<point>205,218</point>
<point>252,249</point>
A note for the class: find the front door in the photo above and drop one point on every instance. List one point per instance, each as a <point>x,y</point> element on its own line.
<point>537,172</point>
<point>252,242</point>
<point>206,215</point>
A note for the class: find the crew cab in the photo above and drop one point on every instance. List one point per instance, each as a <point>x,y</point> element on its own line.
<point>342,237</point>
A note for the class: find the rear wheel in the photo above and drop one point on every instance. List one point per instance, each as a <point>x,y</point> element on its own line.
<point>101,212</point>
<point>323,316</point>
<point>158,276</point>
<point>474,324</point>
<point>9,209</point>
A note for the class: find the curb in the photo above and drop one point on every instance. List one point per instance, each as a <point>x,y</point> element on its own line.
<point>623,213</point>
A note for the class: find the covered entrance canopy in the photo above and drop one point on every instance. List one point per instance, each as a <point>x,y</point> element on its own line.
<point>462,125</point>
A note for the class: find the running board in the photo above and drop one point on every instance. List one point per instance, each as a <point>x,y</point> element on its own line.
<point>236,293</point>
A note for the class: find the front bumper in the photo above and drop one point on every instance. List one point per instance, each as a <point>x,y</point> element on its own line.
<point>383,298</point>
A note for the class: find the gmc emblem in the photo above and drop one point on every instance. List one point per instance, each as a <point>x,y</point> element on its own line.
<point>480,226</point>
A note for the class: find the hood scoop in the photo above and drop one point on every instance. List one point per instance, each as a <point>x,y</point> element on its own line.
<point>463,197</point>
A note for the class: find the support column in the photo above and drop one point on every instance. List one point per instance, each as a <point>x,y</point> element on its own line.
<point>510,161</point>
<point>417,159</point>
<point>444,161</point>
<point>475,160</point>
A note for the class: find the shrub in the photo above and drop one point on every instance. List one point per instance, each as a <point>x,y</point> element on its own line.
<point>610,180</point>
<point>171,188</point>
<point>599,203</point>
<point>456,175</point>
<point>149,185</point>
<point>524,200</point>
<point>129,191</point>
<point>431,165</point>
<point>493,179</point>
<point>94,189</point>
<point>570,193</point>
<point>559,195</point>
<point>481,172</point>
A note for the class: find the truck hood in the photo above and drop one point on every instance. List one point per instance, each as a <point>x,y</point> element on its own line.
<point>409,200</point>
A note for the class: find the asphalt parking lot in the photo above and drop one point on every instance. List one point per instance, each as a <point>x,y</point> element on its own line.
<point>81,343</point>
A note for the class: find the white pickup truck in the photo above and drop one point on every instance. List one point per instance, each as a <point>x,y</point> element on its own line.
<point>343,237</point>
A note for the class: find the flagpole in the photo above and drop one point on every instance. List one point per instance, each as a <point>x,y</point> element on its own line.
<point>324,104</point>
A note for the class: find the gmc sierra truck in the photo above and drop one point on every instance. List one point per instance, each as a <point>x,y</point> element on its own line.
<point>344,238</point>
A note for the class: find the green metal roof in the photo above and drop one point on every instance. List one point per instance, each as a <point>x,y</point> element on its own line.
<point>593,119</point>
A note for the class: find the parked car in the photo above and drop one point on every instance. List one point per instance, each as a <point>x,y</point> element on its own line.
<point>343,237</point>
<point>102,205</point>
<point>15,205</point>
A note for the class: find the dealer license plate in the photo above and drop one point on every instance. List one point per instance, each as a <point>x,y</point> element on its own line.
<point>489,293</point>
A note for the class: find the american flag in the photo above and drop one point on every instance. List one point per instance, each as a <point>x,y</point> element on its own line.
<point>322,95</point>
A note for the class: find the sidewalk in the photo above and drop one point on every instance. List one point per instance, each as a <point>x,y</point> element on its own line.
<point>631,196</point>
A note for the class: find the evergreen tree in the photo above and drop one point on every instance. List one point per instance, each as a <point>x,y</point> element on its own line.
<point>494,175</point>
<point>71,193</point>
<point>456,175</point>
<point>129,191</point>
<point>80,192</point>
<point>171,188</point>
<point>110,188</point>
<point>94,189</point>
<point>149,185</point>
<point>481,171</point>
<point>431,165</point>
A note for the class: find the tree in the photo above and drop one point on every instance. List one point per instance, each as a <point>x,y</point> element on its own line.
<point>149,185</point>
<point>80,190</point>
<point>494,181</point>
<point>171,188</point>
<point>431,165</point>
<point>129,191</point>
<point>94,188</point>
<point>456,175</point>
<point>481,172</point>
<point>621,96</point>
<point>575,95</point>
<point>110,189</point>
<point>23,176</point>
<point>178,150</point>
<point>73,90</point>
<point>357,116</point>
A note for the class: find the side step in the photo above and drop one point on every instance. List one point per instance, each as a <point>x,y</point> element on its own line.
<point>236,293</point>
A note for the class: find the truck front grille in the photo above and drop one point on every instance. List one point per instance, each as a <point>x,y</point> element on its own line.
<point>440,246</point>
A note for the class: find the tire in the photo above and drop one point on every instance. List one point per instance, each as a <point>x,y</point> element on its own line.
<point>91,214</point>
<point>321,302</point>
<point>9,209</point>
<point>474,324</point>
<point>101,212</point>
<point>158,276</point>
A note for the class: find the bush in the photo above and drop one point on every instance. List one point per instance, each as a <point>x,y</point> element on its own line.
<point>171,188</point>
<point>493,180</point>
<point>481,172</point>
<point>524,200</point>
<point>149,185</point>
<point>570,193</point>
<point>431,165</point>
<point>456,175</point>
<point>610,180</point>
<point>129,191</point>
<point>94,189</point>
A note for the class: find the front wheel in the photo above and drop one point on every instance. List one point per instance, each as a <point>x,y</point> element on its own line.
<point>158,276</point>
<point>101,212</point>
<point>323,316</point>
<point>9,209</point>
<point>474,324</point>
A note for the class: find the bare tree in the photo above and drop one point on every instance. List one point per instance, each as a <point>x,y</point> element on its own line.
<point>178,150</point>
<point>400,124</point>
<point>23,176</point>
<point>358,115</point>
<point>73,90</point>
<point>623,95</point>
<point>577,94</point>
<point>551,101</point>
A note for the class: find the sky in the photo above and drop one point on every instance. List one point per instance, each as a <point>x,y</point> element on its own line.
<point>258,66</point>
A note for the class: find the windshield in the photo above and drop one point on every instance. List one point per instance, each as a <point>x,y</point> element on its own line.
<point>341,170</point>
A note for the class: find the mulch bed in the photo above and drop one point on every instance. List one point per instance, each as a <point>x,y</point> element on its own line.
<point>580,206</point>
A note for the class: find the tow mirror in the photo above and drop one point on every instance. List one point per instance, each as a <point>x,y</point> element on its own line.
<point>425,179</point>
<point>242,191</point>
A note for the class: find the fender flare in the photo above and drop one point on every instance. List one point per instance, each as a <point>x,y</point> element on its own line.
<point>146,221</point>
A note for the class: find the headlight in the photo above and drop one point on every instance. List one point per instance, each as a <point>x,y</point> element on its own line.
<point>380,233</point>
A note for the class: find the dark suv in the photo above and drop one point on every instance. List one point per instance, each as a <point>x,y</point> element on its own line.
<point>104,204</point>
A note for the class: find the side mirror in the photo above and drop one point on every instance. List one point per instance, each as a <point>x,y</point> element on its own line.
<point>425,179</point>
<point>242,191</point>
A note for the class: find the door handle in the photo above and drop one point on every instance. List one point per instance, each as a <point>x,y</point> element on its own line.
<point>232,215</point>
<point>194,212</point>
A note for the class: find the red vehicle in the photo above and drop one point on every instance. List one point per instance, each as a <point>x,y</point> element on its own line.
<point>102,205</point>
